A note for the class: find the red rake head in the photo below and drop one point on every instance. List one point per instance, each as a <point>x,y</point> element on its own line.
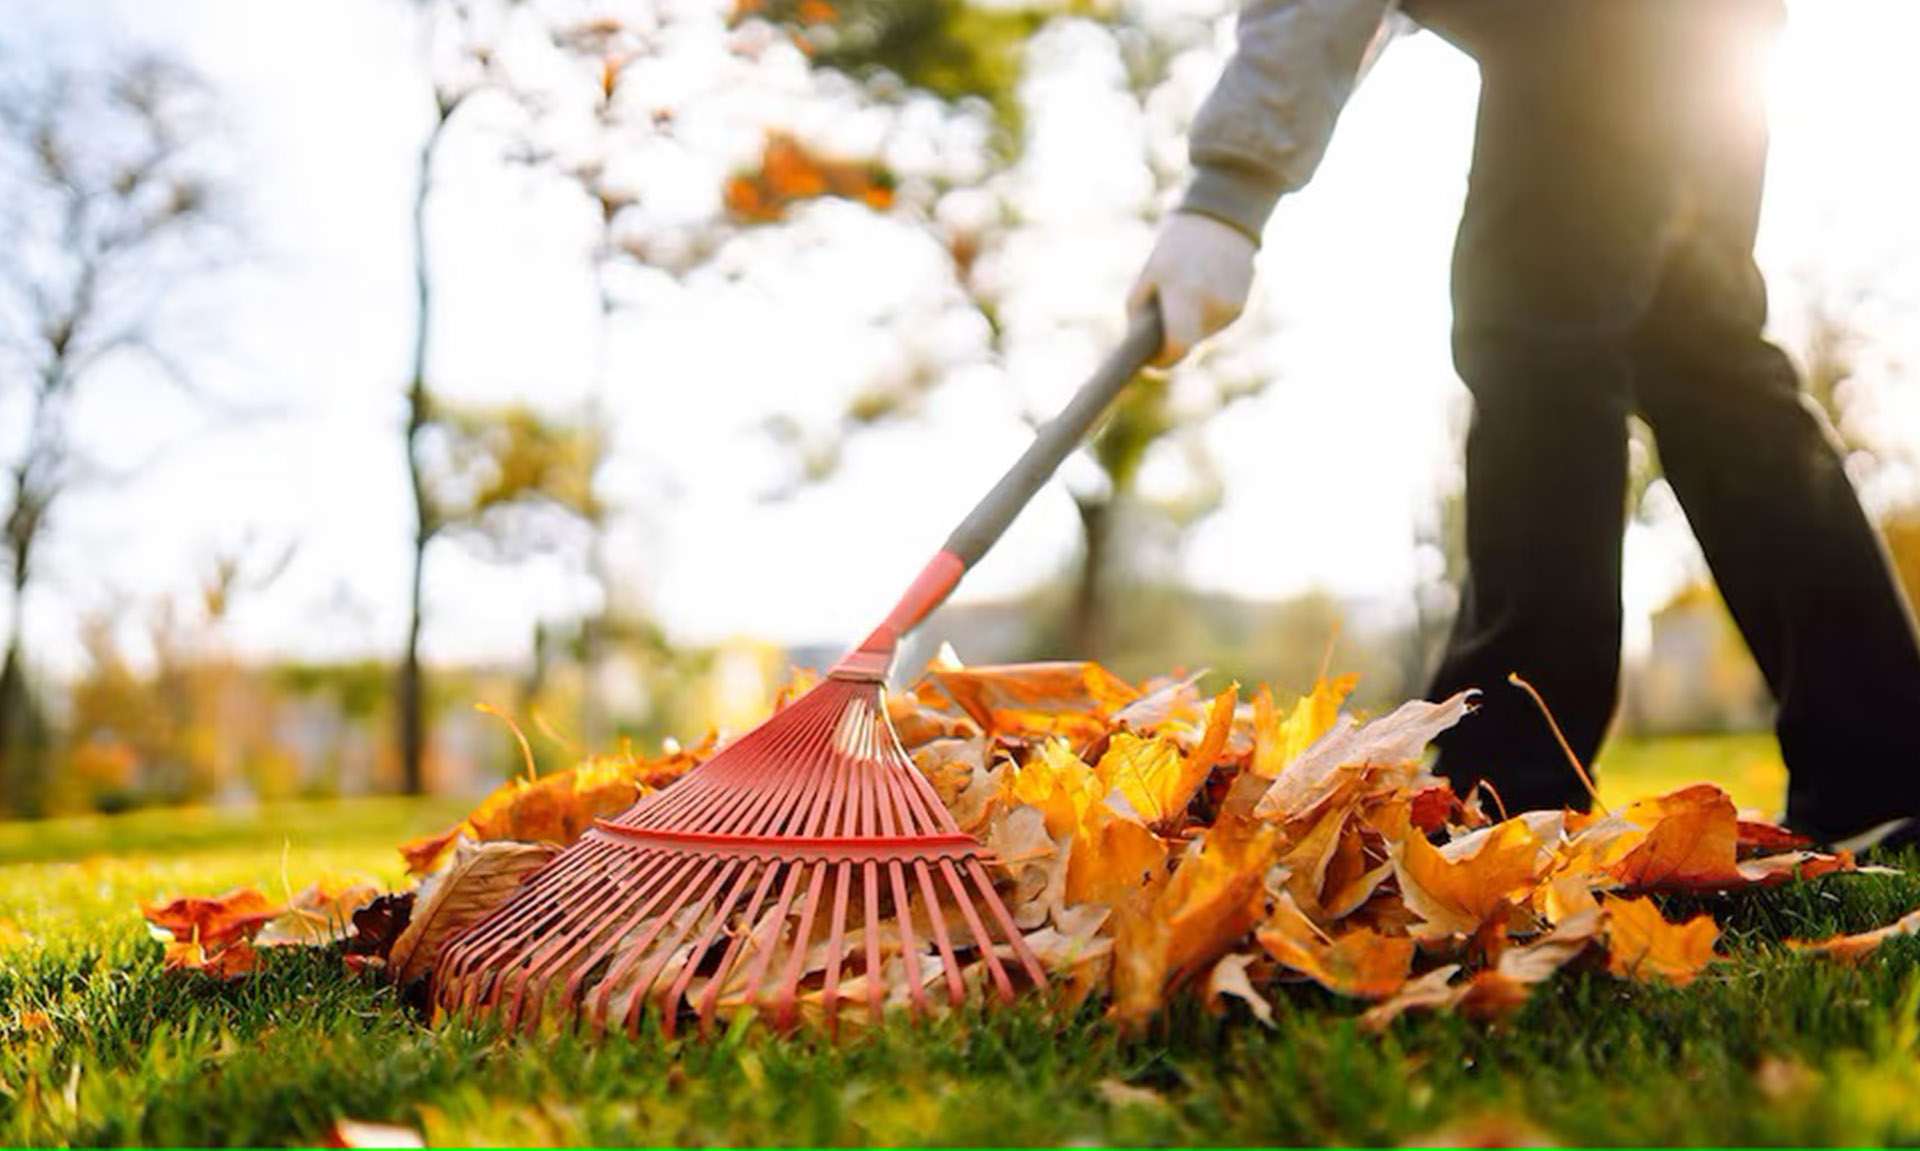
<point>807,865</point>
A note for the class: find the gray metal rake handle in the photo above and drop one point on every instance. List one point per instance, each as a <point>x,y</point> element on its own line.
<point>989,519</point>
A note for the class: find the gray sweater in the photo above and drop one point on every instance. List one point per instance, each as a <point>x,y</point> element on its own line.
<point>1266,124</point>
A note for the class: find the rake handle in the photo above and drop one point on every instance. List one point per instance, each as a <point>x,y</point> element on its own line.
<point>985,524</point>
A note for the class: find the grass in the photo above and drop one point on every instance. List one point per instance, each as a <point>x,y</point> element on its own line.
<point>98,1045</point>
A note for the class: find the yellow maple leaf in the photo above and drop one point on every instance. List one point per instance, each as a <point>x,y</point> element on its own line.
<point>1059,783</point>
<point>1278,742</point>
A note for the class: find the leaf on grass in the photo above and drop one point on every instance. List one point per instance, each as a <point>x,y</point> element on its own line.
<point>1692,840</point>
<point>1360,962</point>
<point>375,928</point>
<point>214,935</point>
<point>1431,991</point>
<point>1855,948</point>
<point>1642,945</point>
<point>480,879</point>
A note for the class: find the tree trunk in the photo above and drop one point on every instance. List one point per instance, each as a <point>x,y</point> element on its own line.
<point>1087,634</point>
<point>411,689</point>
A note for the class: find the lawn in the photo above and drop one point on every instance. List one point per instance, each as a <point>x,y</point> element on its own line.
<point>99,1045</point>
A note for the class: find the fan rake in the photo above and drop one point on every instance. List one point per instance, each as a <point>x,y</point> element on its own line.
<point>807,865</point>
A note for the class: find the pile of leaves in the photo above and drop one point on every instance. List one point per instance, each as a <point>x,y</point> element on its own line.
<point>1153,841</point>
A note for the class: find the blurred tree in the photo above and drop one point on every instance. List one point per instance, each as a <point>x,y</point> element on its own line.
<point>506,478</point>
<point>108,207</point>
<point>961,52</point>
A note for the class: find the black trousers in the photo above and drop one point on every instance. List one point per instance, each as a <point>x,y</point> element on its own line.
<point>1604,268</point>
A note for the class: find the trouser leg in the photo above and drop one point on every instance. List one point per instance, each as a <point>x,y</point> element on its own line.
<point>1756,468</point>
<point>1558,255</point>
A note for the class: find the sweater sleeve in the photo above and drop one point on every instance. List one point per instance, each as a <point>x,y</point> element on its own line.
<point>1263,129</point>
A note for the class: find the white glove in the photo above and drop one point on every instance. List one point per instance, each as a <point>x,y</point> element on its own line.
<point>1200,271</point>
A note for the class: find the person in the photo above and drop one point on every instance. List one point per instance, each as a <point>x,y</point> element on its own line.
<point>1603,268</point>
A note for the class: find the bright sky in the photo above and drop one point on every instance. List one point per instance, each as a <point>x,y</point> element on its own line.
<point>1327,474</point>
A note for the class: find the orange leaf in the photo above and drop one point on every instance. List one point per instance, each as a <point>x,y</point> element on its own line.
<point>1642,945</point>
<point>1168,936</point>
<point>1456,890</point>
<point>1035,700</point>
<point>1278,742</point>
<point>212,935</point>
<point>1854,948</point>
<point>1113,857</point>
<point>1360,962</point>
<point>1692,840</point>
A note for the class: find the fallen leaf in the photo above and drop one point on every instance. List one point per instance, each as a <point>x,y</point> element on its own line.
<point>480,879</point>
<point>321,914</point>
<point>1642,945</point>
<point>1073,701</point>
<point>1454,892</point>
<point>1855,948</point>
<point>214,935</point>
<point>1359,962</point>
<point>355,1133</point>
<point>1397,738</point>
<point>1171,933</point>
<point>1229,977</point>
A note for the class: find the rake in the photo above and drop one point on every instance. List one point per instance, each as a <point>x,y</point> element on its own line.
<point>806,865</point>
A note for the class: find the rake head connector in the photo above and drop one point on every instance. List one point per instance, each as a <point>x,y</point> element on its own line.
<point>807,865</point>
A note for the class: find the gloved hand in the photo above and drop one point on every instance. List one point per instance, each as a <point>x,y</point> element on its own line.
<point>1200,271</point>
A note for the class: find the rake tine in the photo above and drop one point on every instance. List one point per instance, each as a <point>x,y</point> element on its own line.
<point>660,954</point>
<point>1014,939</point>
<point>669,1016</point>
<point>676,876</point>
<point>764,961</point>
<point>741,935</point>
<point>787,1000</point>
<point>651,880</point>
<point>870,889</point>
<point>956,987</point>
<point>836,943</point>
<point>909,947</point>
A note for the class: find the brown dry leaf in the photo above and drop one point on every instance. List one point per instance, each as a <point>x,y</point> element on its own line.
<point>1032,858</point>
<point>321,914</point>
<point>1642,945</point>
<point>214,935</point>
<point>1360,962</point>
<point>1455,892</point>
<point>1855,948</point>
<point>1074,701</point>
<point>480,878</point>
